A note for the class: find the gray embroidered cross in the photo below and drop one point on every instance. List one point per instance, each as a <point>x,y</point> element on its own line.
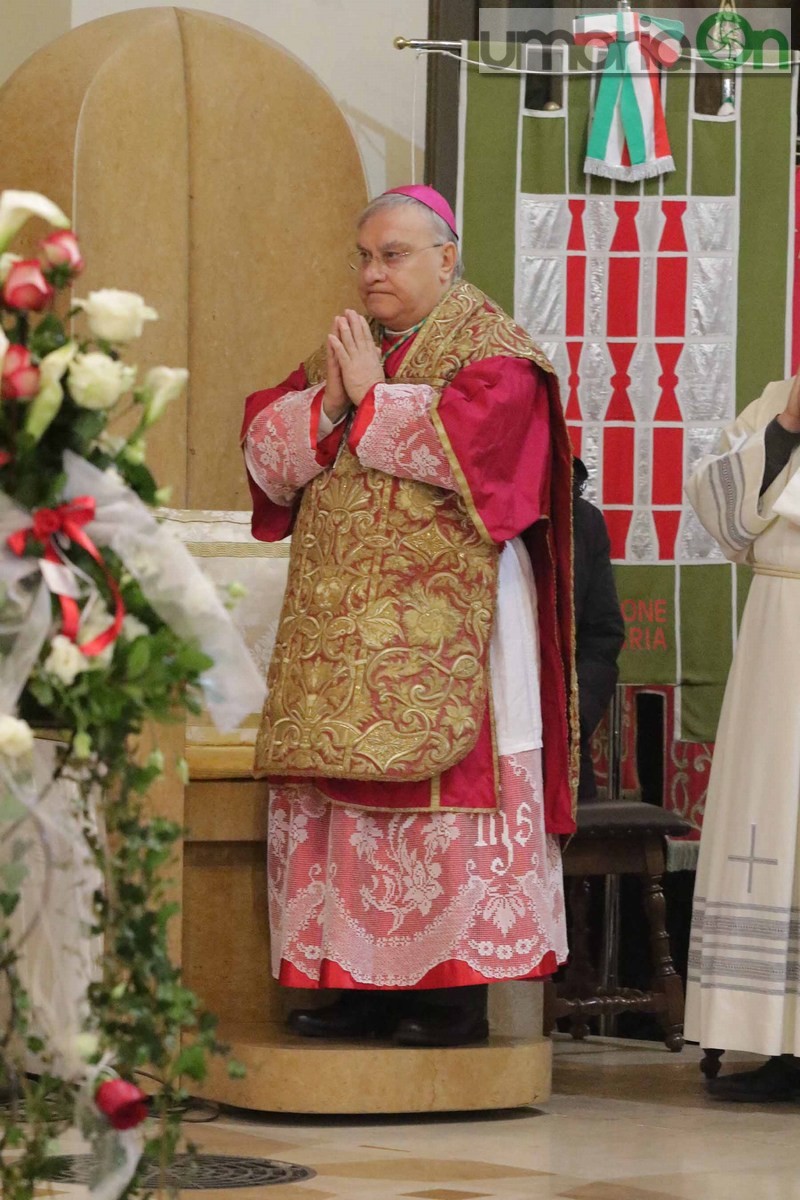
<point>751,859</point>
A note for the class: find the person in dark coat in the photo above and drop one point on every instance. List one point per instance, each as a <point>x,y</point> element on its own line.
<point>599,627</point>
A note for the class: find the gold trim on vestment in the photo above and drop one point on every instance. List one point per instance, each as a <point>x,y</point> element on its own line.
<point>410,810</point>
<point>482,331</point>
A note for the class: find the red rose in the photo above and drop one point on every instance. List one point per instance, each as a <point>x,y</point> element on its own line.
<point>5,458</point>
<point>123,1103</point>
<point>26,287</point>
<point>61,249</point>
<point>20,378</point>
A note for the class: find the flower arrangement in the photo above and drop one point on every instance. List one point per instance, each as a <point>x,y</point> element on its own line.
<point>106,625</point>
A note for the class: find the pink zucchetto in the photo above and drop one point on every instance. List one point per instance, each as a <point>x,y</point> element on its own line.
<point>432,199</point>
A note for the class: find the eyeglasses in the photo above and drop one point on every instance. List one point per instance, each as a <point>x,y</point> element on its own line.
<point>390,260</point>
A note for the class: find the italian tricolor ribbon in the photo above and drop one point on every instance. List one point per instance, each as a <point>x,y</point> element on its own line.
<point>628,136</point>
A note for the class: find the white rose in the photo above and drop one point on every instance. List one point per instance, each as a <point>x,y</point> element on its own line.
<point>116,316</point>
<point>133,628</point>
<point>65,660</point>
<point>97,381</point>
<point>17,207</point>
<point>162,385</point>
<point>16,737</point>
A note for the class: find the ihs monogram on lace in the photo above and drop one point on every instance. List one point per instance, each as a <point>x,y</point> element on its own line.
<point>380,663</point>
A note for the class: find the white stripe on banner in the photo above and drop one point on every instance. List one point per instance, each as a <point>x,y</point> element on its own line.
<point>463,91</point>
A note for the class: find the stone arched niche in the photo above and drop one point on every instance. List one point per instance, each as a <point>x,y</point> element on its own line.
<point>209,170</point>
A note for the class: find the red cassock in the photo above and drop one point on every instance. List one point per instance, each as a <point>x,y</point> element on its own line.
<point>389,897</point>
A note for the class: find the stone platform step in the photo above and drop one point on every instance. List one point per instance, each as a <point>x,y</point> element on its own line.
<point>305,1075</point>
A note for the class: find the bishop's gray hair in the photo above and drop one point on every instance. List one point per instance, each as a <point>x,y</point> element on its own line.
<point>440,230</point>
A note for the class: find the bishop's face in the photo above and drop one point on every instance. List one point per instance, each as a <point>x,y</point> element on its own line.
<point>404,272</point>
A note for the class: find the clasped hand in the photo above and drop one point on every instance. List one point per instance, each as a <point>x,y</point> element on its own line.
<point>353,364</point>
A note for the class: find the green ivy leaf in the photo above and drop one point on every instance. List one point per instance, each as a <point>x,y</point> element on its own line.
<point>138,658</point>
<point>89,425</point>
<point>192,1062</point>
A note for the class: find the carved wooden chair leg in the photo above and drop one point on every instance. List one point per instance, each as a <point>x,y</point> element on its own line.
<point>579,978</point>
<point>710,1064</point>
<point>666,979</point>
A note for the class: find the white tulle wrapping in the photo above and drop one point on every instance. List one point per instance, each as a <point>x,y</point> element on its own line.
<point>169,577</point>
<point>22,583</point>
<point>51,924</point>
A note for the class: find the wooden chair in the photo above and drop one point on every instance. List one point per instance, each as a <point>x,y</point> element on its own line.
<point>617,837</point>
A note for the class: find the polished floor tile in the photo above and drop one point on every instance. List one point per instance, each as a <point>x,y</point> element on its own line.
<point>627,1121</point>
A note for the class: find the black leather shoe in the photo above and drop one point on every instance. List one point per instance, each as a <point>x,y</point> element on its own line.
<point>442,1026</point>
<point>354,1015</point>
<point>775,1080</point>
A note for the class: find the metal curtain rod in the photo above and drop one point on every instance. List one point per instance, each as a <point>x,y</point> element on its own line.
<point>401,43</point>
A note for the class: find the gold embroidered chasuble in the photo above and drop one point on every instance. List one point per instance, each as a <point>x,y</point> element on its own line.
<point>380,667</point>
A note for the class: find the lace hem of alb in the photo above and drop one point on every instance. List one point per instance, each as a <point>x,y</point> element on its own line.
<point>390,897</point>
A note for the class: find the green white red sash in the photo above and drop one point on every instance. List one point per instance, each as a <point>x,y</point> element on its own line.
<point>628,136</point>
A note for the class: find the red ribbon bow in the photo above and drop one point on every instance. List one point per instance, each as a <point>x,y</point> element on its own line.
<point>69,519</point>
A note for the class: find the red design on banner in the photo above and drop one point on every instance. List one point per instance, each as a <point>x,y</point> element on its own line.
<point>618,521</point>
<point>626,235</point>
<point>667,465</point>
<point>576,240</point>
<point>576,437</point>
<point>671,297</point>
<point>573,409</point>
<point>673,237</point>
<point>668,408</point>
<point>618,448</point>
<point>623,297</point>
<point>667,522</point>
<point>576,295</point>
<point>619,407</point>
